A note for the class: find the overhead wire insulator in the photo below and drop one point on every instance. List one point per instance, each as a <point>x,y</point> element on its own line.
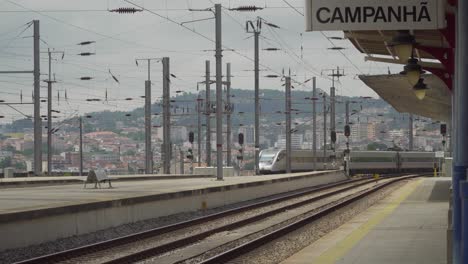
<point>271,49</point>
<point>86,78</point>
<point>271,25</point>
<point>86,43</point>
<point>126,10</point>
<point>246,8</point>
<point>86,53</point>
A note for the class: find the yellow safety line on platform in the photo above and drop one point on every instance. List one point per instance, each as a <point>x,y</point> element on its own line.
<point>340,249</point>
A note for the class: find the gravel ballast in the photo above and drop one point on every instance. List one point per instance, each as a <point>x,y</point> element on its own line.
<point>280,249</point>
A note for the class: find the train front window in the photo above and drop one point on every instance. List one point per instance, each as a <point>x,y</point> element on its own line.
<point>267,158</point>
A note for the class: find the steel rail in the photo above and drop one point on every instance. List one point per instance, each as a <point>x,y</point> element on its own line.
<point>258,242</point>
<point>170,246</point>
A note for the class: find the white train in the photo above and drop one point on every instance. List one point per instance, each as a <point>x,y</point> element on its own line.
<point>273,161</point>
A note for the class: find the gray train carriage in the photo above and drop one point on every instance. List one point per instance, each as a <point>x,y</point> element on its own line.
<point>373,162</point>
<point>417,161</point>
<point>273,161</point>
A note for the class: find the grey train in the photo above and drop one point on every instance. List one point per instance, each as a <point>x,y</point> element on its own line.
<point>273,161</point>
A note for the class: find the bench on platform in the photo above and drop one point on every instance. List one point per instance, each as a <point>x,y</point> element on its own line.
<point>97,177</point>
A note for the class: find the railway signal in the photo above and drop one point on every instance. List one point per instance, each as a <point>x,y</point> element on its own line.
<point>443,129</point>
<point>241,143</point>
<point>190,150</point>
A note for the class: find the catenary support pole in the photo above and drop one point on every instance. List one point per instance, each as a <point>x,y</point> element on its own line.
<point>228,115</point>
<point>461,140</point>
<point>288,123</point>
<point>148,150</point>
<point>219,95</point>
<point>49,111</point>
<point>37,103</point>
<point>199,100</point>
<point>314,121</point>
<point>208,113</point>
<point>332,116</point>
<point>324,130</point>
<point>81,146</point>
<point>49,116</point>
<point>257,100</point>
<point>166,117</point>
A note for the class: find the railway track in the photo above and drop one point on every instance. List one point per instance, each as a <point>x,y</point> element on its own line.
<point>254,244</point>
<point>164,240</point>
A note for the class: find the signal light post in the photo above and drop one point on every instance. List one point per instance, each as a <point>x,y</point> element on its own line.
<point>190,151</point>
<point>240,157</point>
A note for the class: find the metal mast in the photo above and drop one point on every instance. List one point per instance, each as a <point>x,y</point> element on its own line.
<point>208,113</point>
<point>219,95</point>
<point>288,123</point>
<point>314,121</point>
<point>256,30</point>
<point>37,103</point>
<point>167,146</point>
<point>228,114</point>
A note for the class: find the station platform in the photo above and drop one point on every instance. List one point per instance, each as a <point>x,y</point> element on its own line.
<point>52,180</point>
<point>36,214</point>
<point>409,226</point>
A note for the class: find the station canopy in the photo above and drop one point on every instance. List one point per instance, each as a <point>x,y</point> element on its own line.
<point>395,88</point>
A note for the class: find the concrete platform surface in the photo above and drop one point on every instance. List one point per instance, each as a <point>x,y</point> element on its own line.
<point>14,200</point>
<point>409,226</point>
<point>44,180</point>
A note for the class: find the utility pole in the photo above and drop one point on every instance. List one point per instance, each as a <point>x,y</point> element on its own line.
<point>324,130</point>
<point>410,133</point>
<point>81,146</point>
<point>37,103</point>
<point>219,95</point>
<point>167,145</point>
<point>199,100</point>
<point>288,123</point>
<point>148,149</point>
<point>256,30</point>
<point>208,113</point>
<point>49,112</point>
<point>314,121</point>
<point>228,114</point>
<point>37,99</point>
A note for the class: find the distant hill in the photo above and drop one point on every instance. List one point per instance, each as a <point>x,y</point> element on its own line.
<point>183,108</point>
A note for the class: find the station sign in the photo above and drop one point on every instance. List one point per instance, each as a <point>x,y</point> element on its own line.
<point>355,15</point>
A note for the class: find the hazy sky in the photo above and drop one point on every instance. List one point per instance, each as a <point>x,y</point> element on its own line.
<point>120,38</point>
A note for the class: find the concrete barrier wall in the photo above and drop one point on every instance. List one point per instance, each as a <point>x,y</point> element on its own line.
<point>21,233</point>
